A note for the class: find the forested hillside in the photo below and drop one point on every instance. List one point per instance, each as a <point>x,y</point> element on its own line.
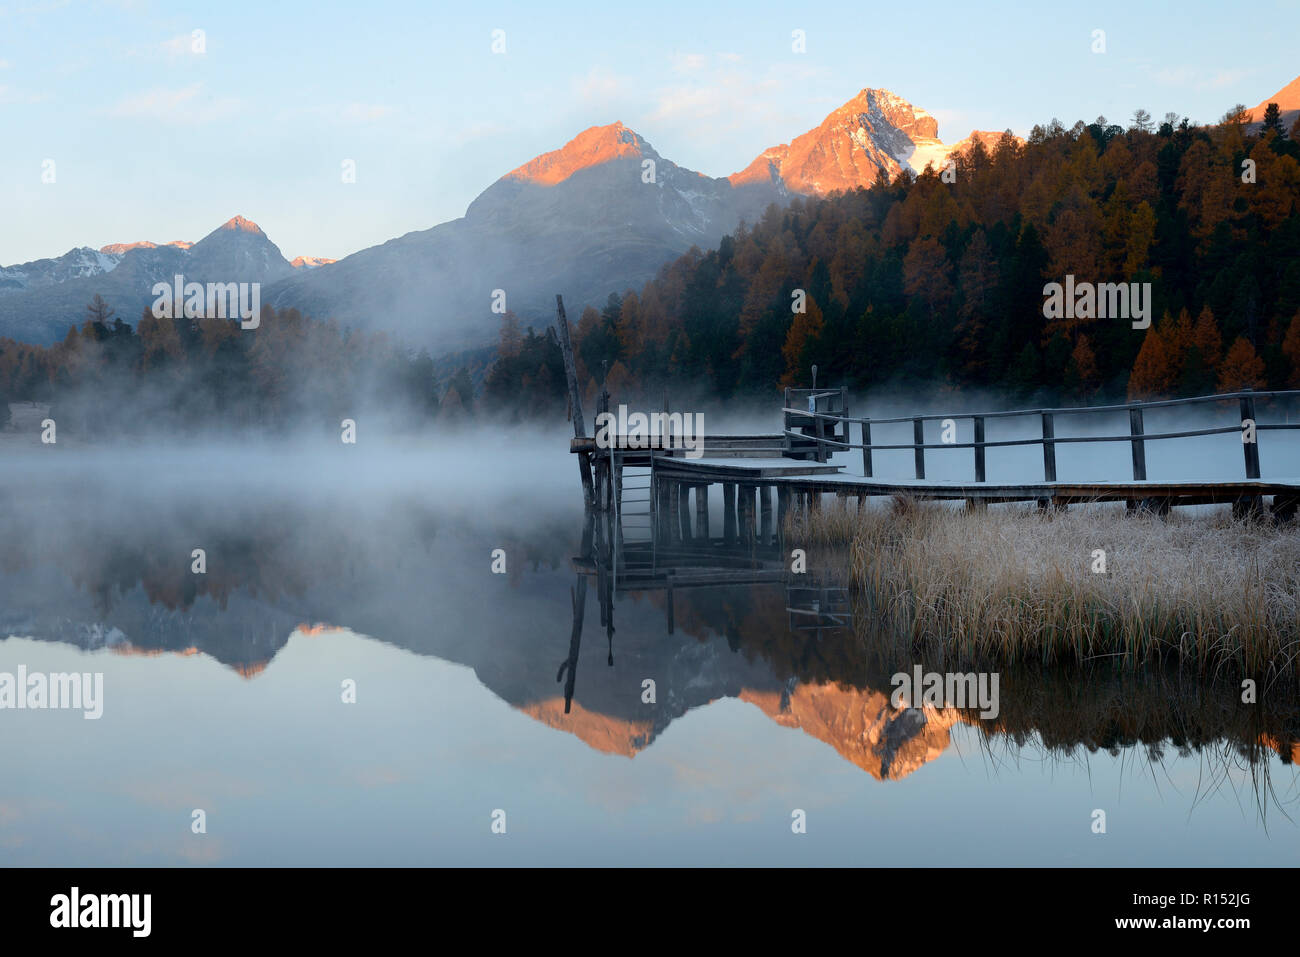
<point>939,280</point>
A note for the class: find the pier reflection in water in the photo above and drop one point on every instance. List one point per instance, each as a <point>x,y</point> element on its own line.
<point>291,584</point>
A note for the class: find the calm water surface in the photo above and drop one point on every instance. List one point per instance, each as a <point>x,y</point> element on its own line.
<point>223,693</point>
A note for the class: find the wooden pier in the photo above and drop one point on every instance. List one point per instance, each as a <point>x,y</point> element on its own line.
<point>794,465</point>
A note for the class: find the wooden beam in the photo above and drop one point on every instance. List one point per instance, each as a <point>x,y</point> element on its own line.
<point>575,398</point>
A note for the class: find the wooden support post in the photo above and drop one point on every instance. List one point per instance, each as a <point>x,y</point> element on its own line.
<point>674,512</point>
<point>1049,448</point>
<point>729,512</point>
<point>746,524</point>
<point>660,509</point>
<point>765,533</point>
<point>782,509</point>
<point>866,447</point>
<point>702,512</point>
<point>575,399</point>
<point>618,506</point>
<point>1251,449</point>
<point>979,449</point>
<point>1139,447</point>
<point>918,440</point>
<point>814,501</point>
<point>1284,507</point>
<point>684,496</point>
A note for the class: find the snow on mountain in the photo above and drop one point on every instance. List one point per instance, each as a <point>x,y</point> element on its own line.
<point>875,133</point>
<point>118,249</point>
<point>74,264</point>
<point>310,262</point>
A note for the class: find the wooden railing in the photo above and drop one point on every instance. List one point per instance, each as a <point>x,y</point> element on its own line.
<point>833,420</point>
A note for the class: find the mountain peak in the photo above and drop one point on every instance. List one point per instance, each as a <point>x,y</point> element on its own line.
<point>875,133</point>
<point>242,225</point>
<point>1287,100</point>
<point>591,147</point>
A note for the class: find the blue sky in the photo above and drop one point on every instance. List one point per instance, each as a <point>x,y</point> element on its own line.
<point>151,140</point>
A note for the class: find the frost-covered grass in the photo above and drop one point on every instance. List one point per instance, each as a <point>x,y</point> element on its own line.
<point>1016,584</point>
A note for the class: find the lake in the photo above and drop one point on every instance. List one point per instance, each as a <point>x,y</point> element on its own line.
<point>366,573</point>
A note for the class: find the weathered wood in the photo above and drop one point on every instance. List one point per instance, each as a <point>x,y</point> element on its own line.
<point>1250,449</point>
<point>1049,448</point>
<point>819,427</point>
<point>702,512</point>
<point>729,512</point>
<point>746,516</point>
<point>782,508</point>
<point>765,505</point>
<point>684,497</point>
<point>866,448</point>
<point>618,505</point>
<point>575,398</point>
<point>918,440</point>
<point>979,449</point>
<point>1139,448</point>
<point>674,512</point>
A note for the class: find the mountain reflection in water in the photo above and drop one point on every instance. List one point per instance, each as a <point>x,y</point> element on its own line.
<point>700,620</point>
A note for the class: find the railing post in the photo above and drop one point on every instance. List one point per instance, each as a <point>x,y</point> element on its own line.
<point>979,448</point>
<point>1049,448</point>
<point>1139,448</point>
<point>1251,448</point>
<point>785,429</point>
<point>918,440</point>
<point>819,427</point>
<point>866,447</point>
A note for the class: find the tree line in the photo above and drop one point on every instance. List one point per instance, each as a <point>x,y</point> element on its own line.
<point>938,279</point>
<point>108,377</point>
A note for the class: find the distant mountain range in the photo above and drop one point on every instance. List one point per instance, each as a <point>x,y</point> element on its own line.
<point>39,300</point>
<point>601,214</point>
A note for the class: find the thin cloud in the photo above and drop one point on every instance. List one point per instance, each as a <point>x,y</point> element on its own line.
<point>12,96</point>
<point>1189,78</point>
<point>365,112</point>
<point>600,85</point>
<point>184,105</point>
<point>727,95</point>
<point>181,45</point>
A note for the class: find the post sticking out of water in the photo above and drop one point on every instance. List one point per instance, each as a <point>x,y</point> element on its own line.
<point>575,398</point>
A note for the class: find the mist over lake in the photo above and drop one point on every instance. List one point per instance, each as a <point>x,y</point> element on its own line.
<point>373,563</point>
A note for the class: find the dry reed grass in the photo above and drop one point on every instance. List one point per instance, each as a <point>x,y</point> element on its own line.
<point>1016,584</point>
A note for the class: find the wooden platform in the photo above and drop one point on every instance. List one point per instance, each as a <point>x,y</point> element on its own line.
<point>825,478</point>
